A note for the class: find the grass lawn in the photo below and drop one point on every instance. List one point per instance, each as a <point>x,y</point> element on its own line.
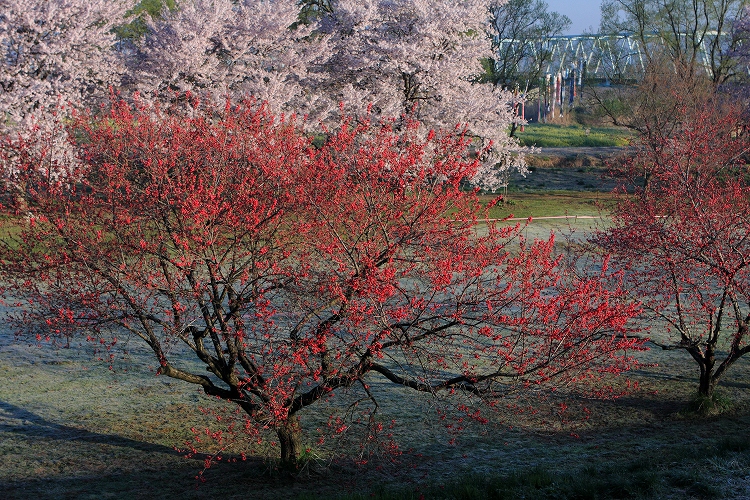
<point>551,204</point>
<point>555,136</point>
<point>70,428</point>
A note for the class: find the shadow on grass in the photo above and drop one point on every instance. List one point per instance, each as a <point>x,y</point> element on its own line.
<point>19,421</point>
<point>62,461</point>
<point>658,407</point>
<point>83,464</point>
<point>736,385</point>
<point>175,481</point>
<point>140,484</point>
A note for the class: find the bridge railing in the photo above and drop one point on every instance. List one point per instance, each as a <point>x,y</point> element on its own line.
<point>570,61</point>
<point>602,56</point>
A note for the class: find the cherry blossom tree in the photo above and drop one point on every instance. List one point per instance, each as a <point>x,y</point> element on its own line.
<point>295,274</point>
<point>391,58</point>
<point>56,50</point>
<point>229,48</point>
<point>684,237</point>
<point>423,57</point>
<point>418,58</point>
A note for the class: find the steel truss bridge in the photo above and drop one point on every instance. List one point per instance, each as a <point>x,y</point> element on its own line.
<point>597,56</point>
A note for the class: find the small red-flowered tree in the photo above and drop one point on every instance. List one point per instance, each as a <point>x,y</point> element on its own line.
<point>684,237</point>
<point>290,270</point>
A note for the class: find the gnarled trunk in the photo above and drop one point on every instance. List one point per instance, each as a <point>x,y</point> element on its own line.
<point>290,439</point>
<point>706,362</point>
<point>707,383</point>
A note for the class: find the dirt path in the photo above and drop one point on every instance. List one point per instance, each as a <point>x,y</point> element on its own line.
<point>597,152</point>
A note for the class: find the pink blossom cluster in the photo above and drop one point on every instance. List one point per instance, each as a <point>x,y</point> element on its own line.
<point>379,57</point>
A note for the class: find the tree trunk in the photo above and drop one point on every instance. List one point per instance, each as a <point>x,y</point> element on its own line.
<point>706,362</point>
<point>708,379</point>
<point>707,384</point>
<point>290,439</point>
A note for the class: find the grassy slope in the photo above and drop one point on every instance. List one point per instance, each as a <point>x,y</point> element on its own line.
<point>553,136</point>
<point>551,204</point>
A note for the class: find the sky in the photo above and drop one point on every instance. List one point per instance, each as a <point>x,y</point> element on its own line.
<point>584,14</point>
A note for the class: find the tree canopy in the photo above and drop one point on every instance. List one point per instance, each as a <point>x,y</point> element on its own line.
<point>694,34</point>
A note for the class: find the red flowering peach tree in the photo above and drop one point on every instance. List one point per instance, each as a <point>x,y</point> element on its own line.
<point>684,237</point>
<point>290,268</point>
